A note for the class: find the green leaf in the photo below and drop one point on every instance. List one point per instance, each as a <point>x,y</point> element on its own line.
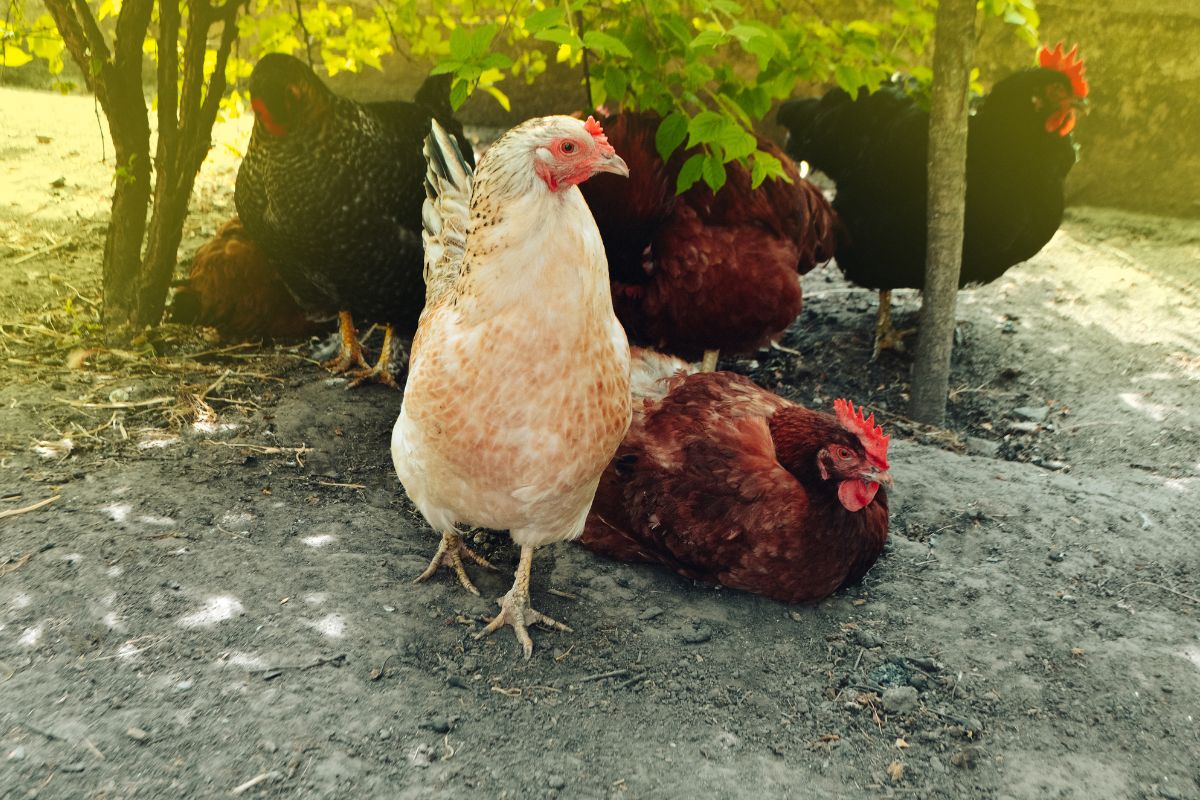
<point>706,39</point>
<point>670,134</point>
<point>713,171</point>
<point>459,93</point>
<point>616,82</point>
<point>500,96</point>
<point>705,127</point>
<point>560,36</point>
<point>605,43</point>
<point>496,61</point>
<point>461,44</point>
<point>544,19</point>
<point>689,173</point>
<point>758,173</point>
<point>744,33</point>
<point>736,142</point>
<point>14,56</point>
<point>446,67</point>
<point>768,166</point>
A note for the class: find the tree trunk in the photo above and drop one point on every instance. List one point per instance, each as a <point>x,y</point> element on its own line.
<point>135,288</point>
<point>116,79</point>
<point>954,50</point>
<point>183,139</point>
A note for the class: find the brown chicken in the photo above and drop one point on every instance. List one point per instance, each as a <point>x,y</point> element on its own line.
<point>232,287</point>
<point>698,273</point>
<point>724,482</point>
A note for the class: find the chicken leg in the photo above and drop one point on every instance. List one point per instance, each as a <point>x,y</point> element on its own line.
<point>886,336</point>
<point>382,371</point>
<point>449,554</point>
<point>515,610</point>
<point>709,362</point>
<point>350,354</point>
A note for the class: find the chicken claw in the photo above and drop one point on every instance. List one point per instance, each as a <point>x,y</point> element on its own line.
<point>350,354</point>
<point>886,335</point>
<point>449,554</point>
<point>382,371</point>
<point>515,610</point>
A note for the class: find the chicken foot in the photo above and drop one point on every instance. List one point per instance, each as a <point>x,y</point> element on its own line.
<point>709,362</point>
<point>382,371</point>
<point>350,354</point>
<point>886,335</point>
<point>515,610</point>
<point>450,554</point>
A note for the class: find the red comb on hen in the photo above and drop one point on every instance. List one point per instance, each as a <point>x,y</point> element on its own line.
<point>1067,63</point>
<point>869,434</point>
<point>597,132</point>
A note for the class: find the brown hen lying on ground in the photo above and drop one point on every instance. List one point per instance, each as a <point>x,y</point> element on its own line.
<point>232,287</point>
<point>724,482</point>
<point>697,273</point>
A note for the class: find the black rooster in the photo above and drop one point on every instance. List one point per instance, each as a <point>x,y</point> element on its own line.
<point>332,190</point>
<point>875,147</point>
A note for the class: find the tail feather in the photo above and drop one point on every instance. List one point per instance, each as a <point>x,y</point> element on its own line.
<point>444,215</point>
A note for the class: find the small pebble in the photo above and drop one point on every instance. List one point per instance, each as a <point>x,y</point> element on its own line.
<point>438,724</point>
<point>556,781</point>
<point>964,759</point>
<point>1032,413</point>
<point>137,734</point>
<point>17,753</point>
<point>1023,427</point>
<point>697,634</point>
<point>900,700</point>
<point>867,639</point>
<point>268,746</point>
<point>78,766</point>
<point>385,734</point>
<point>984,448</point>
<point>650,613</point>
<point>457,682</point>
<point>926,663</point>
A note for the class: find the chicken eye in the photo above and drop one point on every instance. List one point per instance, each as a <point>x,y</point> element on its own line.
<point>843,453</point>
<point>568,147</point>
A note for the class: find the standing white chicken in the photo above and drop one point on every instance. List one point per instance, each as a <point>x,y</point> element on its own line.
<point>518,381</point>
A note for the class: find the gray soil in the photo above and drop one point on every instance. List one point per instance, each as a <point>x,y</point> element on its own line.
<point>219,601</point>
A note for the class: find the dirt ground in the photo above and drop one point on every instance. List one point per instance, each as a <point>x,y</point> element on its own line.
<point>217,601</point>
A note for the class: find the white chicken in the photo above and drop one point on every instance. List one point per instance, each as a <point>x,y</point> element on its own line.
<point>518,383</point>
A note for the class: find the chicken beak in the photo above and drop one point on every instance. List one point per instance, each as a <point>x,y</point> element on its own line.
<point>613,163</point>
<point>874,475</point>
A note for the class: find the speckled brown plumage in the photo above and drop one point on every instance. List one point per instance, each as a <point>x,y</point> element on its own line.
<point>518,383</point>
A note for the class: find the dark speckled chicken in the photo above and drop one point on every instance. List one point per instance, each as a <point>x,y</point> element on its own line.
<point>332,190</point>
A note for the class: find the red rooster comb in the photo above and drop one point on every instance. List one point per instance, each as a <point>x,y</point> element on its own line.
<point>869,434</point>
<point>1068,64</point>
<point>597,132</point>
